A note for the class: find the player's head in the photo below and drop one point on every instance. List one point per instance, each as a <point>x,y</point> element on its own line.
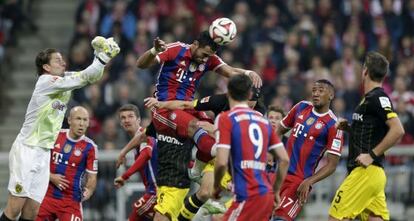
<point>240,87</point>
<point>323,93</point>
<point>50,61</point>
<point>274,115</point>
<point>375,67</point>
<point>129,117</point>
<point>204,47</point>
<point>78,121</point>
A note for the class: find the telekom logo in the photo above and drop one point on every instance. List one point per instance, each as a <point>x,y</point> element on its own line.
<point>298,129</point>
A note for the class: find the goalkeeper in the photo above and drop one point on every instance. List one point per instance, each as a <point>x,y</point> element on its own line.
<point>29,156</point>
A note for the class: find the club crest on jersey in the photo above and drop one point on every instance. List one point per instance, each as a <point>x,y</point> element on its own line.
<point>205,99</point>
<point>318,125</point>
<point>78,151</point>
<point>67,148</point>
<point>193,67</point>
<point>58,105</point>
<point>18,188</point>
<point>201,67</point>
<point>173,116</point>
<point>310,121</point>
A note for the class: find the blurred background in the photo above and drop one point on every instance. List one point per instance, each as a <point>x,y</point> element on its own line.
<point>290,43</point>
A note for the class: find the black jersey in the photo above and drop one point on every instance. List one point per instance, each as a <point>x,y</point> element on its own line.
<point>369,125</point>
<point>218,103</point>
<point>174,154</point>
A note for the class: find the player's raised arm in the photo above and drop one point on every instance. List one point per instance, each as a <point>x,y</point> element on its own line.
<point>105,50</point>
<point>228,71</point>
<point>149,58</point>
<point>134,142</point>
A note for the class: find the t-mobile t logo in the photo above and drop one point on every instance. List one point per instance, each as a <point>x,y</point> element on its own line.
<point>298,129</point>
<point>57,157</point>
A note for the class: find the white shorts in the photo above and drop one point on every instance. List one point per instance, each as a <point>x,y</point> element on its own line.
<point>29,171</point>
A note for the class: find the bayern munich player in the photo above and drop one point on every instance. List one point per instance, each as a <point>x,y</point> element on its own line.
<point>313,133</point>
<point>182,67</point>
<point>145,162</point>
<point>246,136</point>
<point>73,155</point>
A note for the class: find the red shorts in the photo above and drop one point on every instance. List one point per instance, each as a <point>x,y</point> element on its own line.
<point>64,210</point>
<point>176,122</point>
<point>250,209</point>
<point>289,205</point>
<point>143,208</point>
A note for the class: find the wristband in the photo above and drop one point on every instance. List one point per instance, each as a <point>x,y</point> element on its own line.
<point>153,51</point>
<point>247,72</point>
<point>373,156</point>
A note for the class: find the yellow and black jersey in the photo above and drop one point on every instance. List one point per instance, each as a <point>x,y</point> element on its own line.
<point>369,125</point>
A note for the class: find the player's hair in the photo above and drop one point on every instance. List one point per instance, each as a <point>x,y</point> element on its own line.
<point>129,107</point>
<point>275,109</point>
<point>377,66</point>
<point>43,58</point>
<point>327,82</point>
<point>239,87</point>
<point>205,40</point>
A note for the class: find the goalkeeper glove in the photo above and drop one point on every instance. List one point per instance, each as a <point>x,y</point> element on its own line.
<point>105,49</point>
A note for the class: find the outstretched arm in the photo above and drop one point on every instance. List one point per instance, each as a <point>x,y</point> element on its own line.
<point>134,142</point>
<point>140,162</point>
<point>149,57</point>
<point>228,71</point>
<point>151,102</point>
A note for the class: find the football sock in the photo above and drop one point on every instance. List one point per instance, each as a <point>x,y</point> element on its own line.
<point>191,206</point>
<point>204,144</point>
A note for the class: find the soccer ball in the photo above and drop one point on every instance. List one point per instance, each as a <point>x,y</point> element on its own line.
<point>222,31</point>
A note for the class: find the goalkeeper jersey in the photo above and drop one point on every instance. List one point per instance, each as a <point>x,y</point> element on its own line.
<point>48,104</point>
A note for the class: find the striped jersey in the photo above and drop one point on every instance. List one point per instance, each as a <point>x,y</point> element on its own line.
<point>149,171</point>
<point>249,136</point>
<point>179,76</point>
<point>312,134</point>
<point>72,158</point>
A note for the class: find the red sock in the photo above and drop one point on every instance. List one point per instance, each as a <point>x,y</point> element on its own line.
<point>204,145</point>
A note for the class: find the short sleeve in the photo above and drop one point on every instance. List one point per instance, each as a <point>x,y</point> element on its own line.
<point>150,142</point>
<point>335,141</point>
<point>215,103</point>
<point>274,140</point>
<point>214,62</point>
<point>170,53</point>
<point>223,133</point>
<point>289,120</point>
<point>92,160</point>
<point>384,108</point>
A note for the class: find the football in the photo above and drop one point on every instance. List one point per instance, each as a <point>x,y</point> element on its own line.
<point>222,31</point>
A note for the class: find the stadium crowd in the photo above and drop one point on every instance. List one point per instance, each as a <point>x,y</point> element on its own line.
<point>290,43</point>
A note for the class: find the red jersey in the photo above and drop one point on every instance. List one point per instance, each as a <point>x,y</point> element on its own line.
<point>72,158</point>
<point>311,136</point>
<point>179,76</point>
<point>249,136</point>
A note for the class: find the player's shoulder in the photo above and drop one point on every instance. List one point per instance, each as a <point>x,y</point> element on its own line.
<point>90,142</point>
<point>301,105</point>
<point>177,45</point>
<point>378,95</point>
<point>332,115</point>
